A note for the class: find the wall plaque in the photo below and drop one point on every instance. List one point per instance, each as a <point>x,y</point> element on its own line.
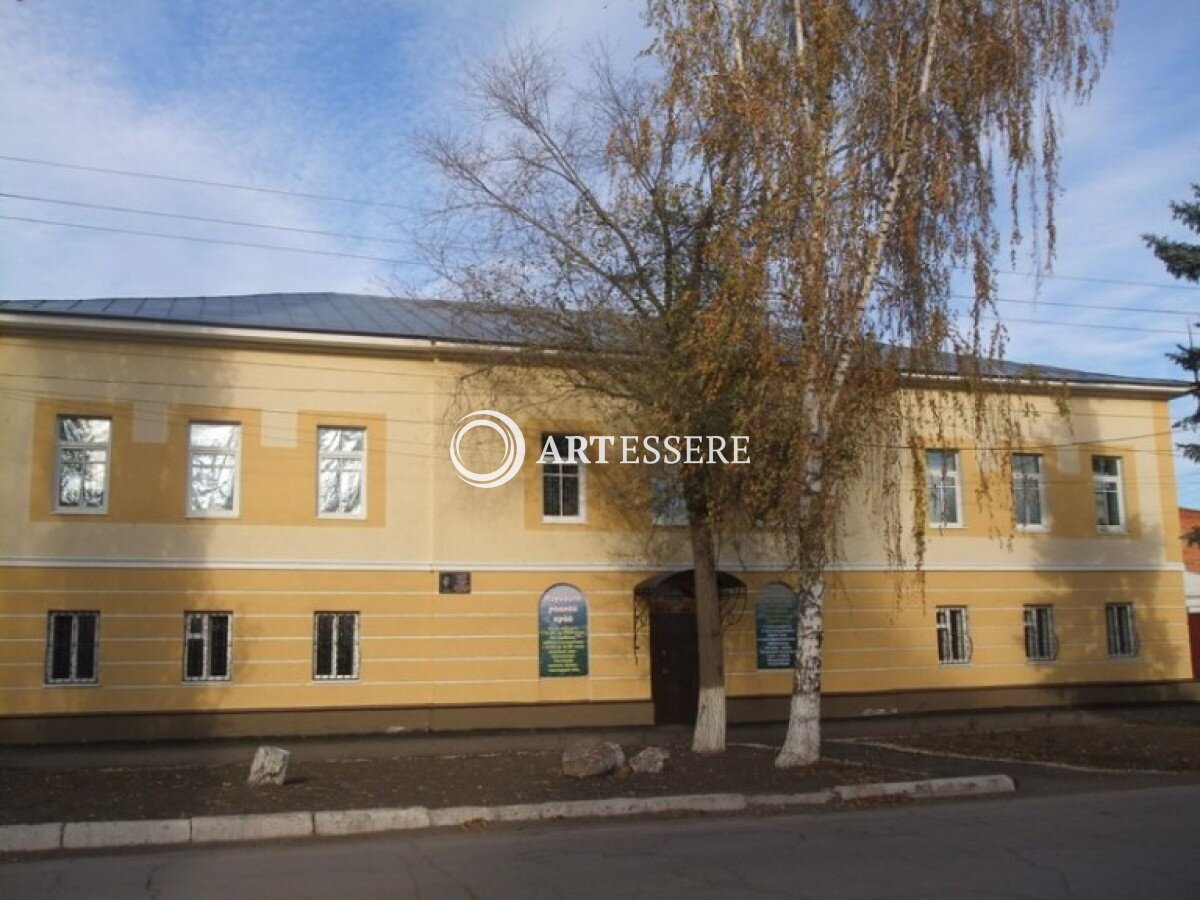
<point>562,633</point>
<point>775,618</point>
<point>454,582</point>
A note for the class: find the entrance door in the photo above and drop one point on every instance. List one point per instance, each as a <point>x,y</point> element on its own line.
<point>674,667</point>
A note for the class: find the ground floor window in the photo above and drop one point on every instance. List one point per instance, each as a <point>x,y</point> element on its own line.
<point>335,645</point>
<point>954,641</point>
<point>1122,638</point>
<point>1041,644</point>
<point>71,644</point>
<point>206,646</point>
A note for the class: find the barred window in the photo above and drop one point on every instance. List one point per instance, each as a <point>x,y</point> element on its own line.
<point>945,494</point>
<point>1122,637</point>
<point>82,463</point>
<point>207,646</point>
<point>341,472</point>
<point>1041,643</point>
<point>214,459</point>
<point>954,641</point>
<point>71,647</point>
<point>335,645</point>
<point>1029,490</point>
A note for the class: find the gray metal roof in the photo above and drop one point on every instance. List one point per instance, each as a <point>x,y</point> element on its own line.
<point>395,317</point>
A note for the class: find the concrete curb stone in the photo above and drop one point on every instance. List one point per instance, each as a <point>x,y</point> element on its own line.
<point>206,829</point>
<point>83,835</point>
<point>30,838</point>
<point>211,829</point>
<point>365,821</point>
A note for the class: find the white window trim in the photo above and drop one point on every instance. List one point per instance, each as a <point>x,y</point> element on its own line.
<point>207,615</point>
<point>354,677</point>
<point>211,451</point>
<point>343,454</point>
<point>1043,503</point>
<point>51,681</point>
<point>958,489</point>
<point>579,519</point>
<point>59,446</point>
<point>1053,630</point>
<point>1134,642</point>
<point>1119,481</point>
<point>968,644</point>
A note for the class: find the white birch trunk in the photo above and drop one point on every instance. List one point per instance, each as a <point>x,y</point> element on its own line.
<point>802,746</point>
<point>709,736</point>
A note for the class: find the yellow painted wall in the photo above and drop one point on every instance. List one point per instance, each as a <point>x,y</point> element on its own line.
<point>144,563</point>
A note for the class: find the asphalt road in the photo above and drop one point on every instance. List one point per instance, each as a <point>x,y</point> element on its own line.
<point>1133,843</point>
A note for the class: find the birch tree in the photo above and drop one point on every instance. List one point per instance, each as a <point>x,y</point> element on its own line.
<point>877,136</point>
<point>758,231</point>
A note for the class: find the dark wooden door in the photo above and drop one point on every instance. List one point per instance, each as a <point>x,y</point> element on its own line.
<point>674,667</point>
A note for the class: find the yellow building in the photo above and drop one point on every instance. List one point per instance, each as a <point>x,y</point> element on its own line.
<point>239,516</point>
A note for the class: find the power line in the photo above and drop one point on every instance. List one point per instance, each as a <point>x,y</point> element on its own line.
<point>360,202</point>
<point>218,184</point>
<point>171,215</point>
<point>1006,319</point>
<point>203,240</point>
<point>1191,313</point>
<point>1087,278</point>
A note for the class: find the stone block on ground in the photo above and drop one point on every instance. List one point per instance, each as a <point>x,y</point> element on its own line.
<point>269,766</point>
<point>649,761</point>
<point>592,758</point>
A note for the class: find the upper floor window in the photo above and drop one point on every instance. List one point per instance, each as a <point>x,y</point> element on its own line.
<point>71,644</point>
<point>214,461</point>
<point>1041,644</point>
<point>335,645</point>
<point>341,472</point>
<point>954,639</point>
<point>1122,637</point>
<point>668,506</point>
<point>562,484</point>
<point>1109,493</point>
<point>1029,490</point>
<point>206,646</point>
<point>81,480</point>
<point>945,490</point>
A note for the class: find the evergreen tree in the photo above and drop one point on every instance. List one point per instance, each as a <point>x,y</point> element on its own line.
<point>1183,261</point>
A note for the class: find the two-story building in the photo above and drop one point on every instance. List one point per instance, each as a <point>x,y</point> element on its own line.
<point>239,515</point>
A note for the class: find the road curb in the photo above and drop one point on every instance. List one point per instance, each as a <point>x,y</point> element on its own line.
<point>255,827</point>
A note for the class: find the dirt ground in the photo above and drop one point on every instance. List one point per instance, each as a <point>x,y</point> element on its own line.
<point>1122,746</point>
<point>513,777</point>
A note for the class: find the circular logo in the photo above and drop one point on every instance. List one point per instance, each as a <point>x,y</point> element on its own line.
<point>514,448</point>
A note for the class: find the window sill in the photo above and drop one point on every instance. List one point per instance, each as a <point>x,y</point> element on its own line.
<point>72,684</point>
<point>337,679</point>
<point>564,520</point>
<point>1033,529</point>
<point>1112,531</point>
<point>954,664</point>
<point>210,515</point>
<point>948,526</point>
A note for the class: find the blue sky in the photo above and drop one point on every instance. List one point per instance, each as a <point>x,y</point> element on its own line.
<point>323,97</point>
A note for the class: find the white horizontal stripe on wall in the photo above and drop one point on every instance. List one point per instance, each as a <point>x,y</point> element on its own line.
<point>98,562</point>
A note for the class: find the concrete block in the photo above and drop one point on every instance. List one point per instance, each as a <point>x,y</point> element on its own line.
<point>79,835</point>
<point>269,767</point>
<point>364,821</point>
<point>207,829</point>
<point>30,838</point>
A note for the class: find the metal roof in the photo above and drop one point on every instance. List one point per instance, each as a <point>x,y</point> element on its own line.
<point>397,317</point>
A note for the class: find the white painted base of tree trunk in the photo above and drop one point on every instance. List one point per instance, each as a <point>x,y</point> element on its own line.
<point>709,736</point>
<point>802,746</point>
